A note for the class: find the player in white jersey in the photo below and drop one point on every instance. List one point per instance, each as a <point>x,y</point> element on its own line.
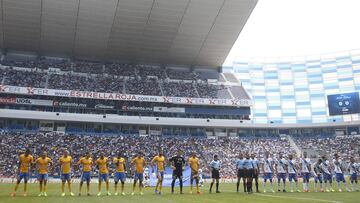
<point>339,172</point>
<point>318,178</point>
<point>305,171</point>
<point>353,168</point>
<point>292,171</point>
<point>267,168</point>
<point>327,175</point>
<point>280,170</point>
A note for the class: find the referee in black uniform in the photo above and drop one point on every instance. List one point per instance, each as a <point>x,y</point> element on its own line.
<point>215,166</point>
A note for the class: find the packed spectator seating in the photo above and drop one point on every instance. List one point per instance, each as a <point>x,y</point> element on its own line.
<point>228,149</point>
<point>179,89</point>
<point>109,77</point>
<point>344,146</point>
<point>148,86</point>
<point>21,78</point>
<point>181,74</point>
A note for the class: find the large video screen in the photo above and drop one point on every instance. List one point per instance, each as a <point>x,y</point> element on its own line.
<point>347,103</point>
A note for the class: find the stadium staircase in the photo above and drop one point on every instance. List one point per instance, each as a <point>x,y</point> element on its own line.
<point>294,146</point>
<point>197,93</point>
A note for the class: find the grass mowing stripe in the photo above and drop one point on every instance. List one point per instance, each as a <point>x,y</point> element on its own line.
<point>299,198</point>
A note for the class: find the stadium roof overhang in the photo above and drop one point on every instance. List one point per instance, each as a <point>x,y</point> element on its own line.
<point>183,32</point>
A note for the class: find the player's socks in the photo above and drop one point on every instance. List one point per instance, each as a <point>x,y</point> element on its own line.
<point>217,187</point>
<point>211,185</point>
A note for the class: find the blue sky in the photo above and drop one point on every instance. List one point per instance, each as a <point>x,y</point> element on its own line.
<point>283,28</point>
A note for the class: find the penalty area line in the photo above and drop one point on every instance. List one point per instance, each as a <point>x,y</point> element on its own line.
<point>299,198</point>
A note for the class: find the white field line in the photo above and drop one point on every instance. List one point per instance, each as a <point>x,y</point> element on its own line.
<point>299,198</point>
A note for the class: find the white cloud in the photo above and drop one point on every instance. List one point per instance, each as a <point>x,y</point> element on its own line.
<point>282,28</point>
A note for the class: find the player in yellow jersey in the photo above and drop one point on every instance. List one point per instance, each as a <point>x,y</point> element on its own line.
<point>25,162</point>
<point>194,165</point>
<point>139,163</point>
<point>65,162</point>
<point>160,165</point>
<point>86,163</point>
<point>102,163</point>
<point>43,163</point>
<point>120,163</point>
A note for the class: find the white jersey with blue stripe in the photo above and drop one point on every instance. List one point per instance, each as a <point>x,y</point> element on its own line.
<point>292,166</point>
<point>281,165</point>
<point>268,162</point>
<point>305,165</point>
<point>337,166</point>
<point>325,167</point>
<point>353,168</point>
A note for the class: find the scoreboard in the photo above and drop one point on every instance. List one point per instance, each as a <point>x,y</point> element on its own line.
<point>341,104</point>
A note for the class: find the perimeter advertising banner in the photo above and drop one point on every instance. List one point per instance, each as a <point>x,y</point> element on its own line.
<point>168,178</point>
<point>341,104</point>
<point>123,97</point>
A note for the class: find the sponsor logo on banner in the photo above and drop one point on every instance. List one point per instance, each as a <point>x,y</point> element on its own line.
<point>136,108</point>
<point>37,102</point>
<point>7,100</point>
<point>169,109</point>
<point>102,106</point>
<point>69,104</point>
<point>124,97</point>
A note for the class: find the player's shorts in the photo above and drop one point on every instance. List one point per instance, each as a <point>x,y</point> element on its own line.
<point>268,176</point>
<point>318,178</point>
<point>43,177</point>
<point>215,174</point>
<point>160,174</point>
<point>281,176</point>
<point>194,175</point>
<point>139,176</point>
<point>24,176</point>
<point>65,176</point>
<point>306,176</point>
<point>354,177</point>
<point>177,174</point>
<point>241,173</point>
<point>327,177</point>
<point>103,177</point>
<point>248,173</point>
<point>256,174</point>
<point>85,176</point>
<point>292,177</point>
<point>340,177</point>
<point>119,176</point>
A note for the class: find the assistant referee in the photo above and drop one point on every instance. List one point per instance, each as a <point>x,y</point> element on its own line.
<point>215,166</point>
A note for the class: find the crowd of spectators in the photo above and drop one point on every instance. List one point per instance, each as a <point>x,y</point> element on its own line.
<point>179,89</point>
<point>344,146</point>
<point>22,78</point>
<point>109,77</point>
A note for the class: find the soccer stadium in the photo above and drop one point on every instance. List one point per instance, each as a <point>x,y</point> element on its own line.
<point>179,101</point>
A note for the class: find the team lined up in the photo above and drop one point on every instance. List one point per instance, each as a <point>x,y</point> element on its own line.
<point>247,166</point>
<point>291,168</point>
<point>44,164</point>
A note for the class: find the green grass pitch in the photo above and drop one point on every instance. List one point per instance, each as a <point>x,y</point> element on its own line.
<point>227,195</point>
